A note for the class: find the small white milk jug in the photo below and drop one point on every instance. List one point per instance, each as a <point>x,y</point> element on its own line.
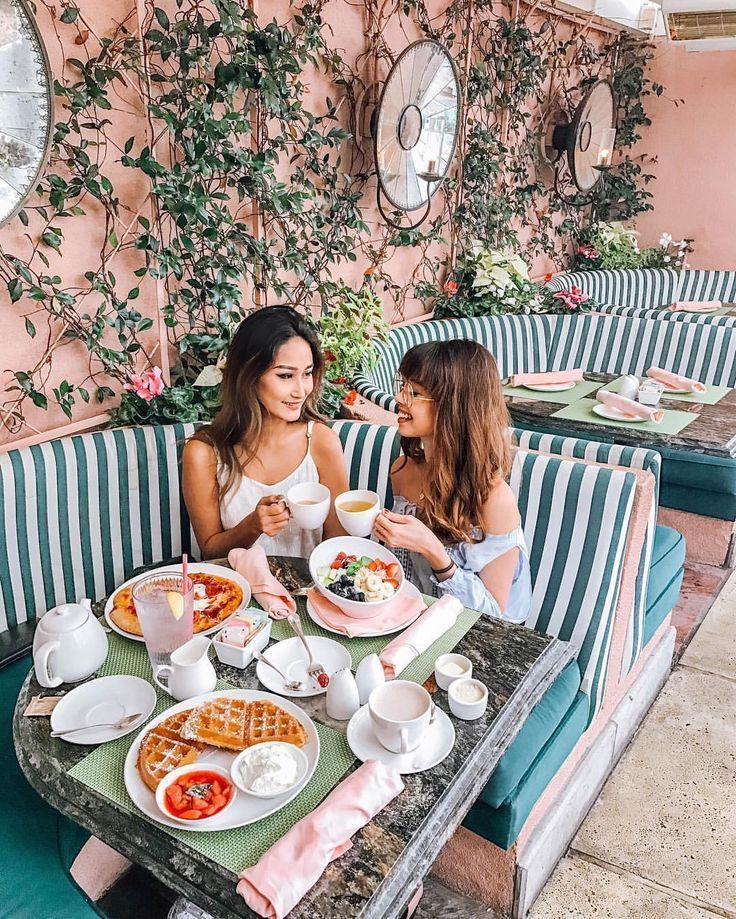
<point>191,672</point>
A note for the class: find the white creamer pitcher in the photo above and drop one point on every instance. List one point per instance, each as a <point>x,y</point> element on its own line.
<point>191,672</point>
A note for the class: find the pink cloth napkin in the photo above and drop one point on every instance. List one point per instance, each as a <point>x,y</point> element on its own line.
<point>398,611</point>
<point>674,380</point>
<point>540,379</point>
<point>695,306</point>
<point>252,564</point>
<point>629,407</point>
<point>415,640</point>
<point>294,864</point>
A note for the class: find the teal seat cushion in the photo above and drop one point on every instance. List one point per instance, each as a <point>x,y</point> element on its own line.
<point>33,882</point>
<point>537,730</point>
<point>665,577</point>
<point>501,825</point>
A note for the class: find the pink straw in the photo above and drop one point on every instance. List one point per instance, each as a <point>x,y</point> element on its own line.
<point>183,574</point>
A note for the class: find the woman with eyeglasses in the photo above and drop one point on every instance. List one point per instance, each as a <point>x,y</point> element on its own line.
<point>453,511</point>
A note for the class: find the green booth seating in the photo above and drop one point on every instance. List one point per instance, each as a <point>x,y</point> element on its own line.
<point>665,578</point>
<point>603,344</point>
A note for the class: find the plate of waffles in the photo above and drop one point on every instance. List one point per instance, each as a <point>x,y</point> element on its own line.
<point>213,729</point>
<point>220,593</point>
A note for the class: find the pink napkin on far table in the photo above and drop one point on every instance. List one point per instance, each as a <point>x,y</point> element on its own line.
<point>252,564</point>
<point>396,612</point>
<point>294,864</point>
<point>415,640</point>
<point>629,407</point>
<point>695,306</point>
<point>674,380</point>
<point>541,379</point>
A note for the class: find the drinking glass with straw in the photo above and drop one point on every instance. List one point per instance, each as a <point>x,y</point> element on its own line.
<point>164,603</point>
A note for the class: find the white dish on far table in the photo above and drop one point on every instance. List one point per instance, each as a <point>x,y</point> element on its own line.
<point>291,659</point>
<point>409,590</point>
<point>550,387</point>
<point>613,414</point>
<point>435,746</point>
<point>246,808</point>
<point>106,699</point>
<point>193,568</point>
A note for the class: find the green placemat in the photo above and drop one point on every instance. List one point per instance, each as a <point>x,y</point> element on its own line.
<point>672,423</point>
<point>563,398</point>
<point>236,849</point>
<point>418,670</point>
<point>712,394</point>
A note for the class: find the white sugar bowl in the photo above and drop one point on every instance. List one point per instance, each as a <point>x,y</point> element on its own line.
<point>369,675</point>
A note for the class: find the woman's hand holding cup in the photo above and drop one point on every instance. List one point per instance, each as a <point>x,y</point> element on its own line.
<point>271,515</point>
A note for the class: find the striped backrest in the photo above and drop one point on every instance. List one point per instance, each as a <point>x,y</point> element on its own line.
<point>576,519</point>
<point>699,284</point>
<point>79,514</point>
<point>516,342</point>
<point>631,288</point>
<point>369,451</point>
<point>612,455</point>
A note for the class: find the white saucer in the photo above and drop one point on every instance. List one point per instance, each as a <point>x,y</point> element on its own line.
<point>550,387</point>
<point>613,414</point>
<point>108,698</point>
<point>408,589</point>
<point>435,746</point>
<point>291,659</point>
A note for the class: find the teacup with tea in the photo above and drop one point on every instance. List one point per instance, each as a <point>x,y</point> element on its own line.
<point>357,511</point>
<point>309,504</point>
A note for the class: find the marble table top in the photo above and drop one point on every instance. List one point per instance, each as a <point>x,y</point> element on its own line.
<point>713,433</point>
<point>390,856</point>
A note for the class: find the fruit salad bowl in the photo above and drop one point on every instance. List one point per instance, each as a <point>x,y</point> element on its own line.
<point>359,576</point>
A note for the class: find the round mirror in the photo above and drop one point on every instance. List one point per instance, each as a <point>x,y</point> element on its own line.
<point>416,125</point>
<point>25,106</point>
<point>592,124</point>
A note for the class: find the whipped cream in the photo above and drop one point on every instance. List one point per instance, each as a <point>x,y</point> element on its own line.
<point>268,770</point>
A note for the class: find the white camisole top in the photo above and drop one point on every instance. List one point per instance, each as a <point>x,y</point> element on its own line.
<point>243,498</point>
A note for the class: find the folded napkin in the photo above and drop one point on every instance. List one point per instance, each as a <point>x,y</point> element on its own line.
<point>541,379</point>
<point>394,614</point>
<point>629,407</point>
<point>294,864</point>
<point>695,306</point>
<point>415,640</point>
<point>252,564</point>
<point>674,380</point>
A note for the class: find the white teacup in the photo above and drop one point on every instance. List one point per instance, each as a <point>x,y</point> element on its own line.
<point>309,504</point>
<point>401,712</point>
<point>357,511</point>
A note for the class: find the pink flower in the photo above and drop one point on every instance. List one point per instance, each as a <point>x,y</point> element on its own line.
<point>588,251</point>
<point>155,383</point>
<point>572,298</point>
<point>450,287</point>
<point>147,385</point>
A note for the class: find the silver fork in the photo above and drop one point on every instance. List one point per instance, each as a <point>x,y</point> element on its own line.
<point>314,669</point>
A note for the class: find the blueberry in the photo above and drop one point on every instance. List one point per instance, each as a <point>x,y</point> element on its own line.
<point>361,596</point>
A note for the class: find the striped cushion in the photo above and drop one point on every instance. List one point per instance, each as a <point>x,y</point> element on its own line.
<point>698,284</point>
<point>612,455</point>
<point>576,518</point>
<point>369,451</point>
<point>78,514</point>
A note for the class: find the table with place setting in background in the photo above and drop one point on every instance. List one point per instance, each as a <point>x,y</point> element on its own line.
<point>376,877</point>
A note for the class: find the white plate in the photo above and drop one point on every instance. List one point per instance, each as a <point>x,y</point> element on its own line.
<point>613,414</point>
<point>435,746</point>
<point>291,659</point>
<point>409,590</point>
<point>108,698</point>
<point>246,808</point>
<point>550,387</point>
<point>193,568</point>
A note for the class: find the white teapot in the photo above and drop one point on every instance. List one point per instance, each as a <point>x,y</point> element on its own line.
<point>69,644</point>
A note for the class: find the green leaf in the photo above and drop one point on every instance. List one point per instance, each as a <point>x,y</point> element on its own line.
<point>39,400</point>
<point>70,14</point>
<point>15,289</point>
<point>30,328</point>
<point>129,144</point>
<point>162,18</point>
<point>113,238</point>
<point>83,393</point>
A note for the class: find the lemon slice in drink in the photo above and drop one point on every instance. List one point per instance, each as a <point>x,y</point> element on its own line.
<point>176,603</point>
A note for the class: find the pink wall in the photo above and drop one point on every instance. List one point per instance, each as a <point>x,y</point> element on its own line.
<point>695,190</point>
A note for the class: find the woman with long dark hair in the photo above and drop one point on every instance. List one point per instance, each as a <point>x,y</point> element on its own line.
<point>267,437</point>
<point>454,511</point>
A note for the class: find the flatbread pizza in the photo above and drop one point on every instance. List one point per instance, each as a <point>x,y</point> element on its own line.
<point>216,598</point>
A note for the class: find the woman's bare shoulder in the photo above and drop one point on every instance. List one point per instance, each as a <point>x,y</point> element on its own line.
<point>325,441</point>
<point>500,511</point>
<point>199,454</point>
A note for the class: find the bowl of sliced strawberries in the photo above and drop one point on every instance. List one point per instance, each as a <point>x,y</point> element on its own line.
<point>195,793</point>
<point>359,576</point>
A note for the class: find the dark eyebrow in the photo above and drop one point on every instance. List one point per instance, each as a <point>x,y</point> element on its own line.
<point>284,367</point>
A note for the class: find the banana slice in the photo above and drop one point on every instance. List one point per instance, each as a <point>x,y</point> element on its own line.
<point>176,603</point>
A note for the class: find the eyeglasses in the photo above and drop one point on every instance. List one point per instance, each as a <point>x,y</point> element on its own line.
<point>404,389</point>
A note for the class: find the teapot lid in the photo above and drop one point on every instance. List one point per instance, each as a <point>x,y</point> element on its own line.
<point>66,617</point>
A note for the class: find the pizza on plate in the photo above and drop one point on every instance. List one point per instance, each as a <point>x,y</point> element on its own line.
<point>215,599</point>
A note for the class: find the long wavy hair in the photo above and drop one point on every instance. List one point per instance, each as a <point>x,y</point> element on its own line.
<point>239,422</point>
<point>471,444</point>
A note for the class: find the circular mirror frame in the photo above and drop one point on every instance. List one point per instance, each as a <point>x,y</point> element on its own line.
<point>578,127</point>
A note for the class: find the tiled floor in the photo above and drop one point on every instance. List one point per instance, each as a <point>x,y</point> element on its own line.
<point>700,586</point>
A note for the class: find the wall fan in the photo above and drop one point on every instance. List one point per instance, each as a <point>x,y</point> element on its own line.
<point>587,139</point>
<point>415,128</point>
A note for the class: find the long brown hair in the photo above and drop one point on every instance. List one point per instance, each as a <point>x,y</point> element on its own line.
<point>470,447</point>
<point>239,422</point>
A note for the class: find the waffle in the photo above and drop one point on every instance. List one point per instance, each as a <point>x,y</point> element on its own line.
<point>159,755</point>
<point>220,723</point>
<point>267,721</point>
